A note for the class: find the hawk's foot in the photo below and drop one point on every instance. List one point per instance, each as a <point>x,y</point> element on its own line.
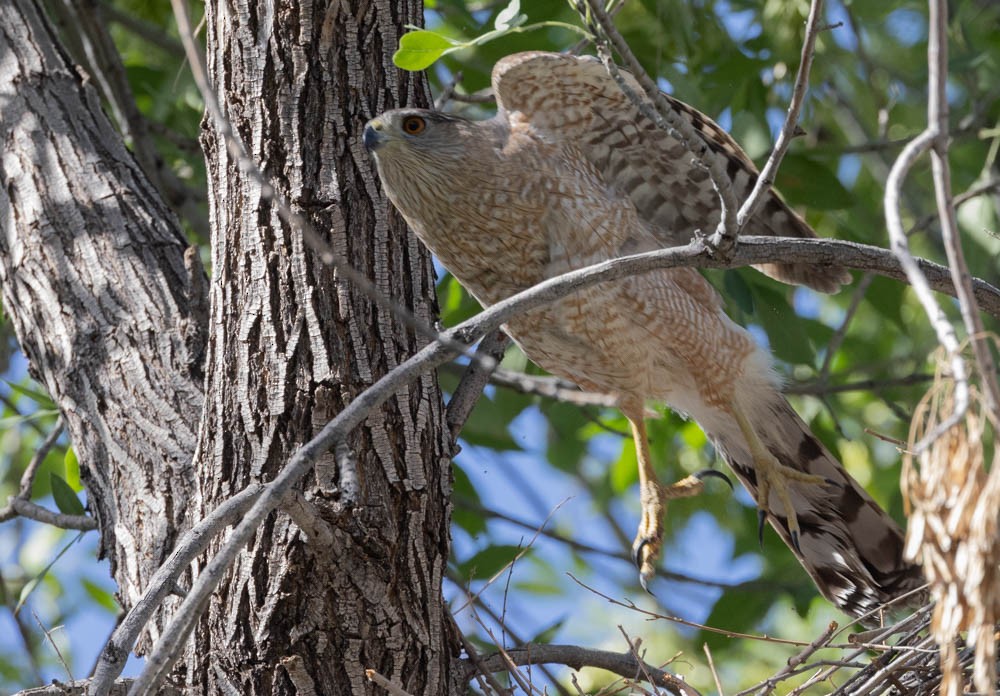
<point>774,476</point>
<point>649,538</point>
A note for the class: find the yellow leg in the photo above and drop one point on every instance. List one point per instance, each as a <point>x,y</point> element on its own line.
<point>653,498</point>
<point>772,474</point>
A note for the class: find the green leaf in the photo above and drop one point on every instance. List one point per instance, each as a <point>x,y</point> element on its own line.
<point>41,398</point>
<point>466,516</point>
<point>784,327</point>
<point>72,465</point>
<point>65,497</point>
<point>738,291</point>
<point>419,49</point>
<point>489,561</point>
<point>807,181</point>
<point>101,596</point>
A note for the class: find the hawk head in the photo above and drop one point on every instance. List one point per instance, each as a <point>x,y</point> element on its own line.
<point>421,156</point>
<point>422,132</point>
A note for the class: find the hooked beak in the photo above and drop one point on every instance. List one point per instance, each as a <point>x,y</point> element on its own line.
<point>373,136</point>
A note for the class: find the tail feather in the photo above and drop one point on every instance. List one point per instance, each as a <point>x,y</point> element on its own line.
<point>849,545</point>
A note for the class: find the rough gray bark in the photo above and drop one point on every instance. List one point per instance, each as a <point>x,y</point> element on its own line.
<point>94,280</point>
<point>317,600</point>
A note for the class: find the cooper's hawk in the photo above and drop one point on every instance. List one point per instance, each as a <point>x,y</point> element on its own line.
<point>568,174</point>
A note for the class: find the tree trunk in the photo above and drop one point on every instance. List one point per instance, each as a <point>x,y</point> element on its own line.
<point>324,591</point>
<point>110,312</point>
<point>94,280</point>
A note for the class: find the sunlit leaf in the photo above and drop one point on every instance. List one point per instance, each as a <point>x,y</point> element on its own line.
<point>66,499</point>
<point>418,50</point>
<point>101,596</point>
<point>72,467</point>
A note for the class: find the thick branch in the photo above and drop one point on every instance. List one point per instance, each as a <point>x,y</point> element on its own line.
<point>116,650</point>
<point>748,251</point>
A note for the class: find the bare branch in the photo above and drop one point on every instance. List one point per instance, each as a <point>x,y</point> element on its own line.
<point>28,481</point>
<point>937,124</point>
<point>554,388</point>
<point>26,508</point>
<point>748,251</point>
<point>766,177</point>
<point>623,664</point>
<point>474,379</point>
<point>901,248</point>
<point>115,653</point>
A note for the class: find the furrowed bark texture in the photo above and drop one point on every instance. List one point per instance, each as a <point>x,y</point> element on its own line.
<point>93,276</point>
<point>324,591</point>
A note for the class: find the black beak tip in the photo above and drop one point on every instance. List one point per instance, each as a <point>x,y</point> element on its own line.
<point>371,138</point>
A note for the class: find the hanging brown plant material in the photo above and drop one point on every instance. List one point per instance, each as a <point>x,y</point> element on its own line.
<point>953,502</point>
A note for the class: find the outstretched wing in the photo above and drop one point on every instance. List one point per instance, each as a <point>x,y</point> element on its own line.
<point>574,100</point>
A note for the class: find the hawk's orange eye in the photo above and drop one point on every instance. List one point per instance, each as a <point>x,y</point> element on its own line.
<point>414,125</point>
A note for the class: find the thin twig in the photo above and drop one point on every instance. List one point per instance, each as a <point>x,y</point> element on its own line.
<point>48,636</point>
<point>794,661</point>
<point>629,604</point>
<point>818,388</point>
<point>833,345</point>
<point>711,667</point>
<point>766,177</point>
<point>937,124</point>
<point>115,652</point>
<point>484,607</point>
<point>511,562</point>
<point>28,477</point>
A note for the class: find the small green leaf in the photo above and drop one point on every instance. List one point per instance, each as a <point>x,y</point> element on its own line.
<point>804,180</point>
<point>65,498</point>
<point>103,598</point>
<point>41,398</point>
<point>72,465</point>
<point>489,561</point>
<point>419,49</point>
<point>465,514</point>
<point>738,291</point>
<point>789,341</point>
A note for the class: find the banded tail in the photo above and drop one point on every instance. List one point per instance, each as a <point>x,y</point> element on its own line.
<point>849,545</point>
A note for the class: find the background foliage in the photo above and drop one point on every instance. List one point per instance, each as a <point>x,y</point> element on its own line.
<point>531,463</point>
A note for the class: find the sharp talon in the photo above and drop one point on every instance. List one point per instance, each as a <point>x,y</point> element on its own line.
<point>795,542</point>
<point>712,473</point>
<point>761,519</point>
<point>644,582</point>
<point>637,556</point>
